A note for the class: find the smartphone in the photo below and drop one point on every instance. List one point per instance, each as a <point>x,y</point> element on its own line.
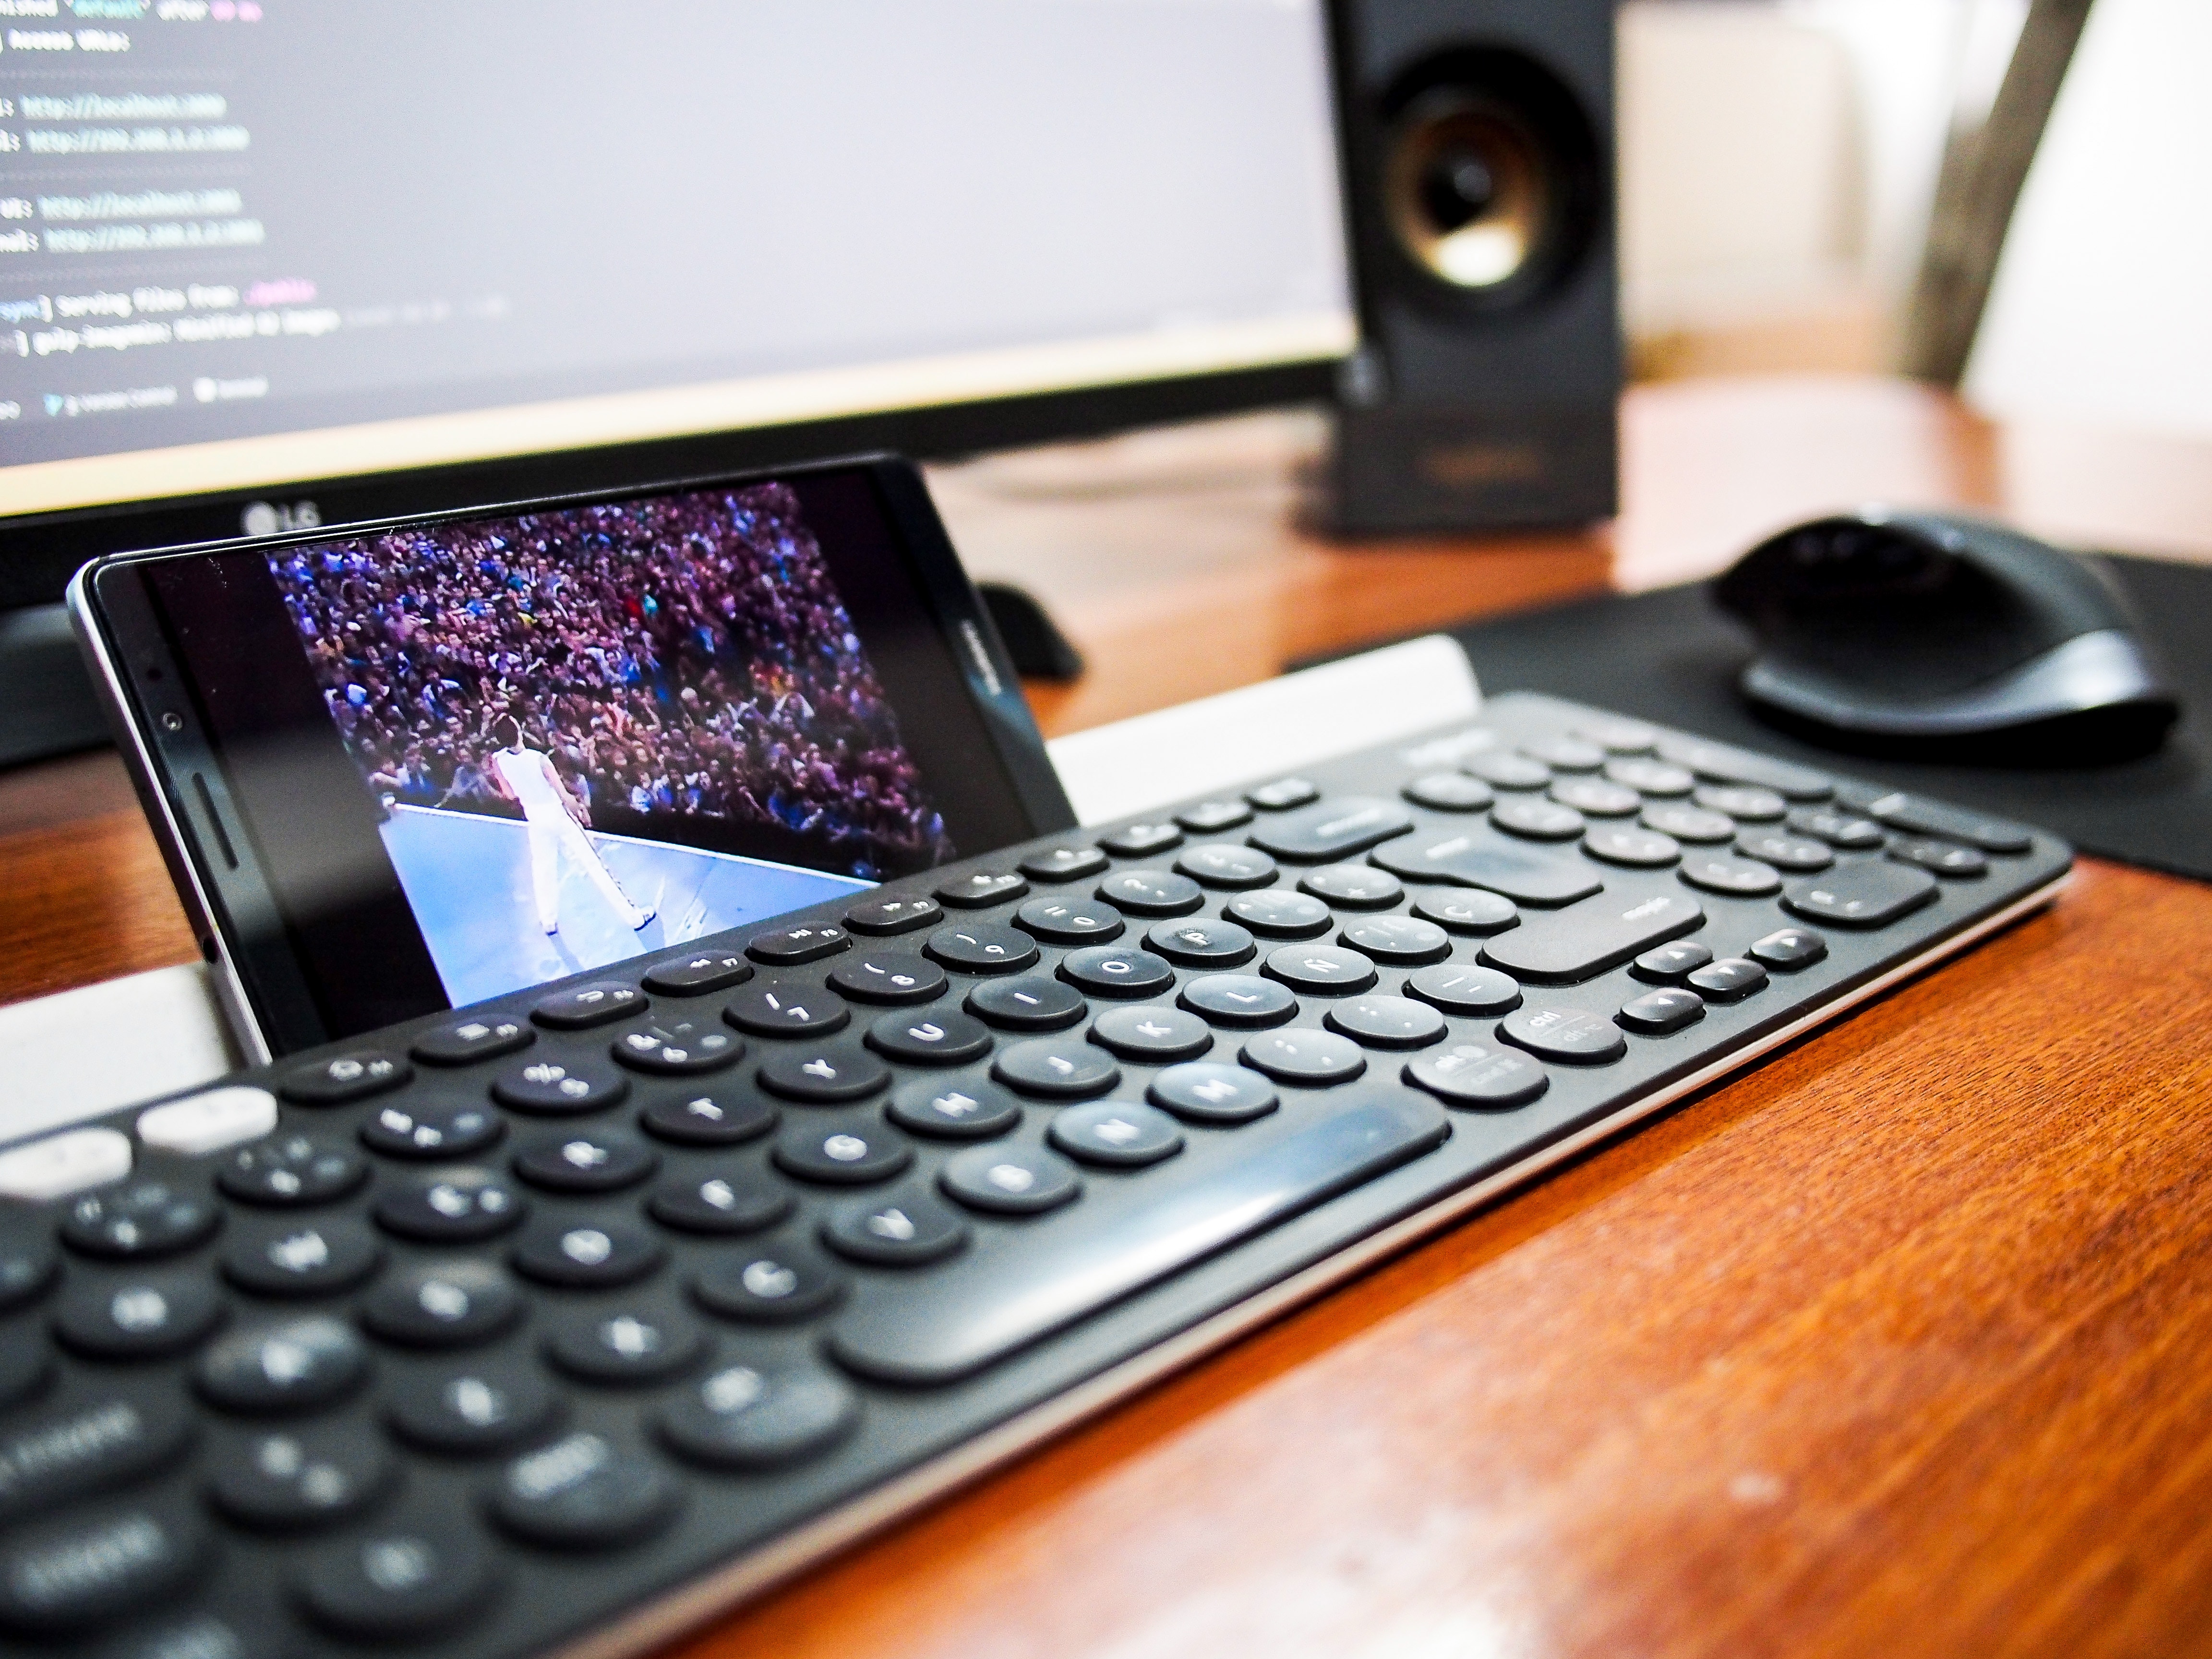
<point>406,765</point>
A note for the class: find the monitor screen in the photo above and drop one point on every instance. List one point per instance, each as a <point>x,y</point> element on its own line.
<point>245,242</point>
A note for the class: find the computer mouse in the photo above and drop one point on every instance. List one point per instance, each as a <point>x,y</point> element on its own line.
<point>1937,636</point>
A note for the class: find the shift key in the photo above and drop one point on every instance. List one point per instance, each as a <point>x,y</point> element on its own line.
<point>1591,937</point>
<point>980,1310</point>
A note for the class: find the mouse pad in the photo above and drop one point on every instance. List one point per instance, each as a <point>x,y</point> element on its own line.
<point>1672,656</point>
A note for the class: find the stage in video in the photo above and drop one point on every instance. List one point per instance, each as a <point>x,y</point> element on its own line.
<point>603,729</point>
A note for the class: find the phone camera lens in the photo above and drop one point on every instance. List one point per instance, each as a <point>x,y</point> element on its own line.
<point>172,722</point>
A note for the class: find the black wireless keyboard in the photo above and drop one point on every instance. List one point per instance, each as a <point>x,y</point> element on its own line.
<point>559,1324</point>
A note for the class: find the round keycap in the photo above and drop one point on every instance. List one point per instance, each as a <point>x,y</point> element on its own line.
<point>1139,841</point>
<point>1448,792</point>
<point>1853,835</point>
<point>719,1117</point>
<point>1459,988</point>
<point>1070,920</point>
<point>902,914</point>
<point>1210,818</point>
<point>1386,1022</point>
<point>981,889</point>
<point>818,1077</point>
<point>1010,1180</point>
<point>138,1220</point>
<point>1595,797</point>
<point>139,1319</point>
<point>1298,1054</point>
<point>288,1481</point>
<point>1657,1013</point>
<point>550,1088</point>
<point>1650,777</point>
<point>1537,820</point>
<point>771,1287</point>
<point>1789,950</point>
<point>1739,878</point>
<point>464,1042</point>
<point>678,1047</point>
<point>1477,1076</point>
<point>1275,913</point>
<point>1064,864</point>
<point>1572,1036</point>
<point>1667,963</point>
<point>1614,735</point>
<point>430,1131</point>
<point>698,974</point>
<point>1942,857</point>
<point>1401,941</point>
<point>1221,864</point>
<point>1730,980</point>
<point>1238,1000</point>
<point>744,1417</point>
<point>1283,795</point>
<point>285,1170</point>
<point>903,1229</point>
<point>1638,849</point>
<point>1690,823</point>
<point>451,1207</point>
<point>1467,911</point>
<point>453,1304</point>
<point>587,1255</point>
<point>1206,1091</point>
<point>1741,801</point>
<point>736,1198</point>
<point>473,1409</point>
<point>979,947</point>
<point>595,1163</point>
<point>582,1492</point>
<point>954,1111</point>
<point>1505,771</point>
<point>1567,753</point>
<point>1059,1068</point>
<point>345,1077</point>
<point>1320,969</point>
<point>1152,1036</point>
<point>1115,1133</point>
<point>776,1008</point>
<point>1152,892</point>
<point>937,1037</point>
<point>1030,1003</point>
<point>848,1156</point>
<point>409,1576</point>
<point>1116,970</point>
<point>292,1366</point>
<point>629,1347</point>
<point>300,1257</point>
<point>1353,886</point>
<point>1795,853</point>
<point>886,977</point>
<point>1199,943</point>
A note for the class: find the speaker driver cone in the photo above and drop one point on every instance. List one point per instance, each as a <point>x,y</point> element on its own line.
<point>1469,191</point>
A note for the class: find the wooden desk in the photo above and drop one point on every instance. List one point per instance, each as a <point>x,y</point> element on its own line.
<point>1901,1344</point>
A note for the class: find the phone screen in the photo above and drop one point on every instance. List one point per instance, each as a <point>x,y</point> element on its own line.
<point>474,755</point>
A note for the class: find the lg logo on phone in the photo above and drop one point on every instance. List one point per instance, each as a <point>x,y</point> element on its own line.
<point>269,518</point>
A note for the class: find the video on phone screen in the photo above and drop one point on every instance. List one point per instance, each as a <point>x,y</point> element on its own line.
<point>608,729</point>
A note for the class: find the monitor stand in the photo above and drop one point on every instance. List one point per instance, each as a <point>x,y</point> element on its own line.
<point>47,701</point>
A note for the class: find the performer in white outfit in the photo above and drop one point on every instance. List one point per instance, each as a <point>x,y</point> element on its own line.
<point>556,820</point>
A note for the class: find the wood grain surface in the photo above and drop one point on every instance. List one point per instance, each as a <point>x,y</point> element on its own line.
<point>1900,1344</point>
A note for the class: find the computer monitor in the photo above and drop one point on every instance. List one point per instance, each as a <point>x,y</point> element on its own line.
<point>266,263</point>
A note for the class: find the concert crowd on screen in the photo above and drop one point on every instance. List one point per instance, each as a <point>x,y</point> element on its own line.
<point>687,655</point>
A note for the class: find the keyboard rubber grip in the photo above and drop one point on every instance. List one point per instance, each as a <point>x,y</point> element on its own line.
<point>978,1311</point>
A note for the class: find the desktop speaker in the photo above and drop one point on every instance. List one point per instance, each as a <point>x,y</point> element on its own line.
<point>1477,140</point>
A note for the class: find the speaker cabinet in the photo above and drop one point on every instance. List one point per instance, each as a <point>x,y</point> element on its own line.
<point>1477,142</point>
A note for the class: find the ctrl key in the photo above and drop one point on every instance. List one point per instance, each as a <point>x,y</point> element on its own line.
<point>1479,1076</point>
<point>414,1574</point>
<point>96,1567</point>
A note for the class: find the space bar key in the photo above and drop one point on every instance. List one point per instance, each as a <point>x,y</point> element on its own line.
<point>976,1312</point>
